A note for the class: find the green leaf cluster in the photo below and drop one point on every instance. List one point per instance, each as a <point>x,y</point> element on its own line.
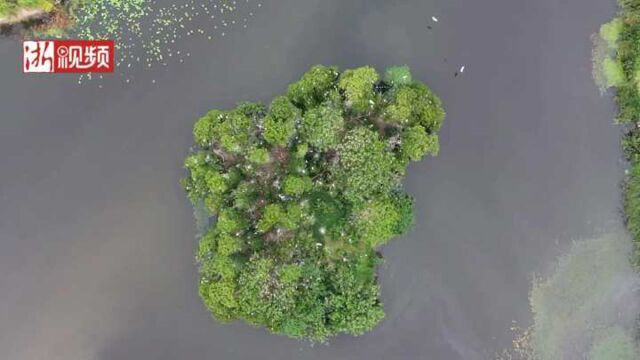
<point>357,85</point>
<point>398,75</point>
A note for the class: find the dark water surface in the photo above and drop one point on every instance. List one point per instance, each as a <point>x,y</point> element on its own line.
<point>97,237</point>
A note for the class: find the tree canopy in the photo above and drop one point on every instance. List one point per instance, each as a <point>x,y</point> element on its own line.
<point>305,191</point>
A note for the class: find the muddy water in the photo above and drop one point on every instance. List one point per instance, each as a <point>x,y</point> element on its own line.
<point>96,236</point>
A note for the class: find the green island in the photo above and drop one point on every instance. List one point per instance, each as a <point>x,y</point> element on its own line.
<point>305,191</point>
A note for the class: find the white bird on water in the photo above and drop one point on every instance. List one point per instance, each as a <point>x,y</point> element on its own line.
<point>434,18</point>
<point>462,69</point>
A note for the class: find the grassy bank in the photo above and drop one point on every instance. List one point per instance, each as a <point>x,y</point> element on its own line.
<point>11,9</point>
<point>35,18</point>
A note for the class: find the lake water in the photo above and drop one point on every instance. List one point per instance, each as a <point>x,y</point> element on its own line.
<point>97,237</point>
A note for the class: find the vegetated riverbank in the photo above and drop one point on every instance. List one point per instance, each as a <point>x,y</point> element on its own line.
<point>21,10</point>
<point>22,15</point>
<point>305,192</point>
<point>31,17</point>
<point>86,19</point>
<point>589,307</point>
<point>620,69</point>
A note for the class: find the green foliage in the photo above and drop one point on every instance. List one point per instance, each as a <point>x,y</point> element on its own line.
<point>610,32</point>
<point>366,168</point>
<point>228,245</point>
<point>632,207</point>
<point>378,220</point>
<point>219,297</point>
<point>312,88</point>
<point>45,5</point>
<point>207,245</point>
<point>415,104</point>
<point>252,110</point>
<point>631,145</point>
<point>623,72</point>
<point>357,85</point>
<point>397,75</point>
<point>273,214</point>
<point>416,143</point>
<point>279,124</point>
<point>613,72</point>
<point>230,221</point>
<point>231,131</point>
<point>202,131</point>
<point>244,196</point>
<point>296,185</point>
<point>303,194</point>
<point>321,127</point>
<point>353,306</point>
<point>9,7</point>
<point>258,156</point>
<point>403,204</point>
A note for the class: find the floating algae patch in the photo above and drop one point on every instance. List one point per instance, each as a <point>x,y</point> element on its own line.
<point>148,34</point>
<point>587,308</point>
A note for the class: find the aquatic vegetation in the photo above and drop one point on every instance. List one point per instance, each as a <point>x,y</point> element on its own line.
<point>108,19</point>
<point>146,34</point>
<point>305,190</point>
<point>587,308</point>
